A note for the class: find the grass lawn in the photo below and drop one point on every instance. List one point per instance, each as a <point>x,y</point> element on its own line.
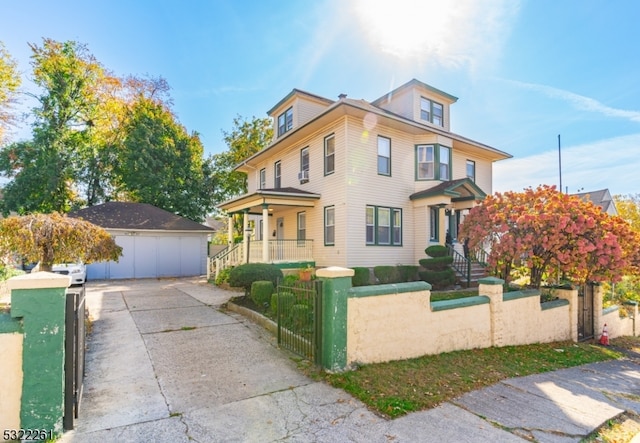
<point>399,387</point>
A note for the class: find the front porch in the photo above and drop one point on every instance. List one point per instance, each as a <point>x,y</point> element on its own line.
<point>283,253</point>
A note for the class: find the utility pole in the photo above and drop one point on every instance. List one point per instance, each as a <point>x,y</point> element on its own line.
<point>559,163</point>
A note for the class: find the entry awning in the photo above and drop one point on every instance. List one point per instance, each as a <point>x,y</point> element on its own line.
<point>254,202</point>
<point>460,190</point>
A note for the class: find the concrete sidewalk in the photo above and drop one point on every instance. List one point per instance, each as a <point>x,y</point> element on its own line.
<point>164,364</point>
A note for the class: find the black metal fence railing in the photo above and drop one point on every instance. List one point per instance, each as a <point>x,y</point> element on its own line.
<point>299,314</point>
<point>461,265</point>
<point>74,360</point>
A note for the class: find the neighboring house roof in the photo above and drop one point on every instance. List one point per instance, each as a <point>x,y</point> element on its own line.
<point>136,216</point>
<point>458,190</point>
<point>600,198</point>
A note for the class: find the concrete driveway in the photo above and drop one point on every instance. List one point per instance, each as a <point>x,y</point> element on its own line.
<point>166,364</point>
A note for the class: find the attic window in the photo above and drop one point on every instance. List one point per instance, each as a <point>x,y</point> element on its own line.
<point>431,111</point>
<point>285,121</point>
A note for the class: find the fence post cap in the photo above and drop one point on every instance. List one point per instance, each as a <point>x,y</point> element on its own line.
<point>39,280</point>
<point>335,272</point>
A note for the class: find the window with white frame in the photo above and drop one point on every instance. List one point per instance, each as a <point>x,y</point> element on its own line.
<point>471,170</point>
<point>329,226</point>
<point>329,154</point>
<point>425,161</point>
<point>445,163</point>
<point>263,178</point>
<point>304,164</point>
<point>434,221</point>
<point>285,121</point>
<point>384,155</point>
<point>277,172</point>
<point>302,225</point>
<point>383,226</point>
<point>432,112</point>
<point>433,162</point>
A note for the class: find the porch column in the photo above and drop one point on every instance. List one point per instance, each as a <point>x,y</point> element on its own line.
<point>265,233</point>
<point>245,234</point>
<point>230,231</point>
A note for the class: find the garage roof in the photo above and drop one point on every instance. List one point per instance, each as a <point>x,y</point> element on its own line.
<point>136,216</point>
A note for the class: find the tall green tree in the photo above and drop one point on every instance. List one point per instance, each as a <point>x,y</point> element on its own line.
<point>161,164</point>
<point>45,170</point>
<point>245,139</point>
<point>9,84</point>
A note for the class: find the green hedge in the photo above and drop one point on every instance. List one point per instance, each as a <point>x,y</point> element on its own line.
<point>361,277</point>
<point>287,299</point>
<point>436,251</point>
<point>437,263</point>
<point>408,273</point>
<point>261,292</point>
<point>386,274</point>
<point>439,279</point>
<point>243,276</point>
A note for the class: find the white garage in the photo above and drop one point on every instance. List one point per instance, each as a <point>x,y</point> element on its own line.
<point>155,243</point>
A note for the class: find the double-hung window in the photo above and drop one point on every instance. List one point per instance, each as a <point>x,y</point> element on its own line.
<point>445,163</point>
<point>263,178</point>
<point>425,161</point>
<point>277,173</point>
<point>434,222</point>
<point>329,154</point>
<point>384,155</point>
<point>304,164</point>
<point>285,121</point>
<point>329,226</point>
<point>302,225</point>
<point>383,226</point>
<point>471,170</point>
<point>432,112</point>
<point>433,162</point>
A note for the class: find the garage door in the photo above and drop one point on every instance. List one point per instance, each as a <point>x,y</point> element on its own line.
<point>151,257</point>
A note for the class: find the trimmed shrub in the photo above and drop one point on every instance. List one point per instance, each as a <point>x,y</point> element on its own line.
<point>361,277</point>
<point>408,273</point>
<point>439,279</point>
<point>287,299</point>
<point>301,316</point>
<point>437,263</point>
<point>436,251</point>
<point>243,276</point>
<point>386,274</point>
<point>261,292</point>
<point>223,276</point>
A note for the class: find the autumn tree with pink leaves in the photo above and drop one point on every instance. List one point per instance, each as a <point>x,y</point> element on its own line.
<point>552,234</point>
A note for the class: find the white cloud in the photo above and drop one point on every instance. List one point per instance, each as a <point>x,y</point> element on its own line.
<point>611,163</point>
<point>580,102</point>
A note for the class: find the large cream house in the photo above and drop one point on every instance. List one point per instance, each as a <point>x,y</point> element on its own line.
<point>355,183</point>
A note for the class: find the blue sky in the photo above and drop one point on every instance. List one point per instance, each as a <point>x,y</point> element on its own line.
<point>524,71</point>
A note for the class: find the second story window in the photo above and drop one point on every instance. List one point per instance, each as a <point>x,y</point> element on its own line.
<point>433,162</point>
<point>431,111</point>
<point>471,170</point>
<point>277,171</point>
<point>329,154</point>
<point>303,175</point>
<point>384,155</point>
<point>285,121</point>
<point>445,163</point>
<point>263,178</point>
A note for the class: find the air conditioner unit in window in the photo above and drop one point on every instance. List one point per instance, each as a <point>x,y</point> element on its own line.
<point>303,176</point>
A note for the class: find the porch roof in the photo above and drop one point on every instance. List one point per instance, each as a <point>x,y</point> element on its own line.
<point>458,190</point>
<point>273,197</point>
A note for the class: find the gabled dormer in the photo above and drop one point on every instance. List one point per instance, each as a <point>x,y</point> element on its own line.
<point>296,109</point>
<point>419,102</point>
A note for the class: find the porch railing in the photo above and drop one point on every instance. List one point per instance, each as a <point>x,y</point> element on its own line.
<point>280,251</point>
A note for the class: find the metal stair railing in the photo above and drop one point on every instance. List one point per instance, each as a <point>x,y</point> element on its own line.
<point>460,264</point>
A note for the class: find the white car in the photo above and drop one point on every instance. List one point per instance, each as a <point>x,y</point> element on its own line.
<point>77,271</point>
